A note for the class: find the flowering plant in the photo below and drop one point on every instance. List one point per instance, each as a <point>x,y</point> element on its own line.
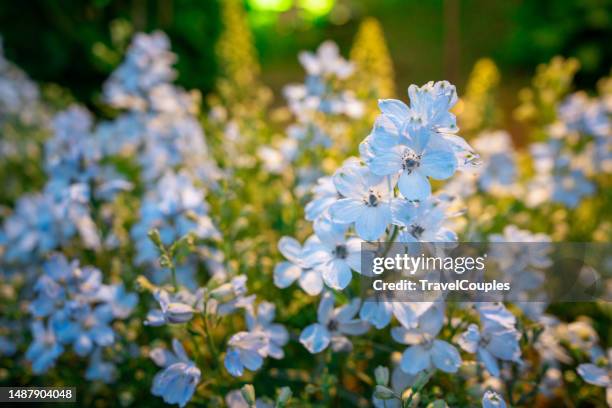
<point>208,253</point>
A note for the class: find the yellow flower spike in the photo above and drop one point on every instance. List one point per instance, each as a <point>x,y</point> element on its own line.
<point>479,110</point>
<point>374,77</point>
<point>235,48</point>
<point>550,84</point>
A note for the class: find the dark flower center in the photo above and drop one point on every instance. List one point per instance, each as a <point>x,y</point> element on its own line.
<point>373,199</point>
<point>340,251</point>
<point>416,230</point>
<point>410,161</point>
<point>332,325</point>
<point>485,339</point>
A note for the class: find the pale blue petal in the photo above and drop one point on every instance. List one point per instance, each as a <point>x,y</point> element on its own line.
<point>377,313</point>
<point>445,356</point>
<point>315,338</point>
<point>489,361</point>
<point>415,359</point>
<point>594,375</point>
<point>387,163</point>
<point>347,210</point>
<point>373,221</point>
<point>311,282</point>
<point>285,273</point>
<point>438,164</point>
<point>336,274</point>
<point>414,186</point>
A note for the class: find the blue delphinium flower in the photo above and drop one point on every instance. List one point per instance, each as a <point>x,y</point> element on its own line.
<point>44,349</point>
<point>422,222</point>
<point>333,325</point>
<point>491,344</point>
<point>50,292</point>
<point>579,113</point>
<point>297,267</point>
<point>332,254</point>
<point>366,201</point>
<point>325,194</point>
<point>260,321</point>
<point>245,350</point>
<point>415,156</point>
<point>121,302</point>
<point>161,120</point>
<point>179,378</point>
<point>426,351</point>
<point>85,327</point>
<point>20,103</point>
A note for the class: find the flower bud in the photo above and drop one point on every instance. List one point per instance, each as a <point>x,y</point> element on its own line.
<point>284,395</point>
<point>155,238</point>
<point>383,393</point>
<point>179,312</point>
<point>248,393</point>
<point>382,375</point>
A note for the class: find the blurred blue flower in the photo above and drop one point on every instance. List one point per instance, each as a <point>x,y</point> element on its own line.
<point>325,194</point>
<point>297,268</point>
<point>426,351</point>
<point>490,345</point>
<point>245,350</point>
<point>422,222</point>
<point>569,188</point>
<point>333,325</point>
<point>379,312</point>
<point>499,172</point>
<point>148,63</point>
<point>229,296</point>
<point>99,369</point>
<point>260,321</point>
<point>44,349</point>
<point>332,254</point>
<point>177,381</point>
<point>84,326</point>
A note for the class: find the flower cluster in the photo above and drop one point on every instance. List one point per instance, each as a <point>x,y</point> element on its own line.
<point>580,148</point>
<point>76,179</point>
<point>317,104</point>
<point>74,308</point>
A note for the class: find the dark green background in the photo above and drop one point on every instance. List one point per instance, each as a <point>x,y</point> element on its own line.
<point>434,39</point>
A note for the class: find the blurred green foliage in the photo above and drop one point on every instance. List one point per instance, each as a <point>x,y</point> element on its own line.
<point>77,43</point>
